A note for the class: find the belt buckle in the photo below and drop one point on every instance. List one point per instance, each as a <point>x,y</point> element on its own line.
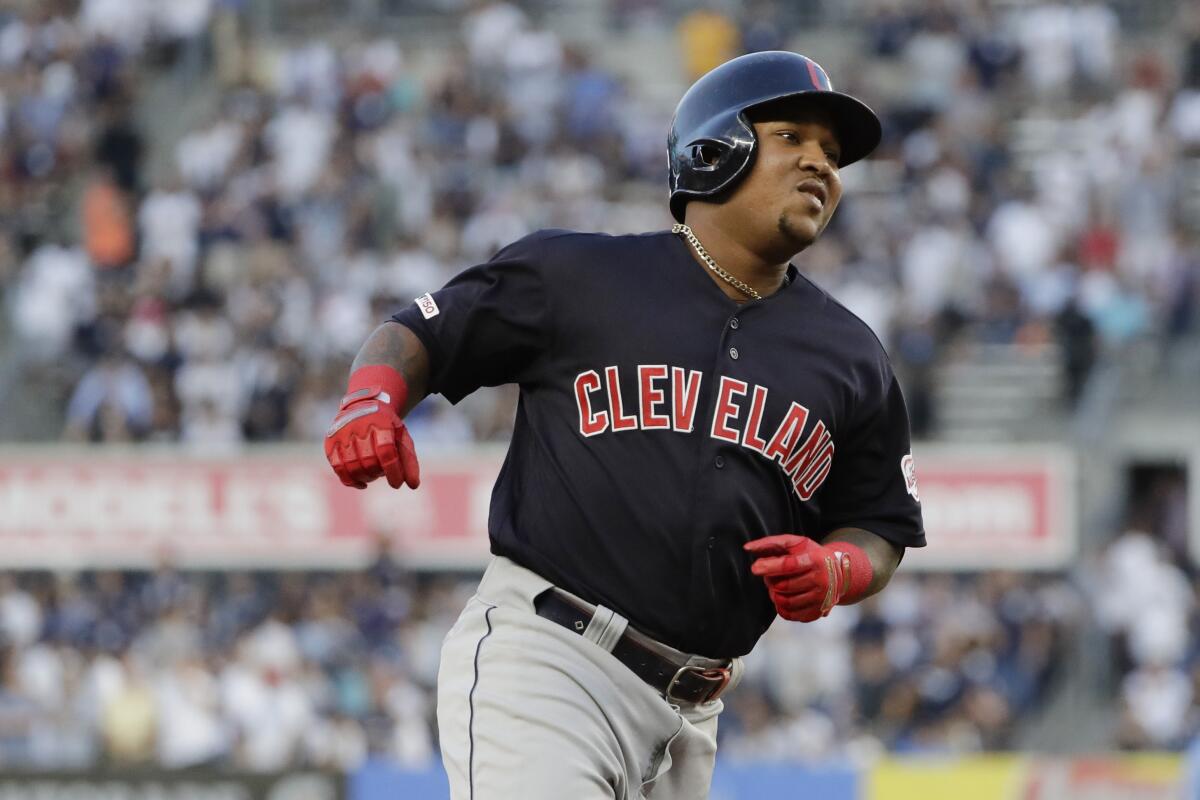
<point>717,676</point>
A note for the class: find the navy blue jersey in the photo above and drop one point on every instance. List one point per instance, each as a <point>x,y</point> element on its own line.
<point>661,425</point>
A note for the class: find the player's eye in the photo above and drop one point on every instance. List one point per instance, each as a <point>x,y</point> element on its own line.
<point>789,135</point>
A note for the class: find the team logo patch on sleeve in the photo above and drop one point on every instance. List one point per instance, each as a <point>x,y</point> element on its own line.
<point>428,307</point>
<point>909,470</point>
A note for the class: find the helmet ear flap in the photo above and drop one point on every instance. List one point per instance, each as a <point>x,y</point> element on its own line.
<point>706,155</point>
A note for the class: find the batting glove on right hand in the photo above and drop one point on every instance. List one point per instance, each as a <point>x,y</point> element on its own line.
<point>367,438</point>
<point>805,580</point>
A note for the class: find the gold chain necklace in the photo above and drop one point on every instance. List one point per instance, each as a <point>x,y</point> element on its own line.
<point>741,286</point>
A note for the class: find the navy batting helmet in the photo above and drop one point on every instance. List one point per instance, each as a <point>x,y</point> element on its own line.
<point>712,143</point>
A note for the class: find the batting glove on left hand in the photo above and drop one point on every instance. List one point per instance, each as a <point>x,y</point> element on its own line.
<point>805,580</point>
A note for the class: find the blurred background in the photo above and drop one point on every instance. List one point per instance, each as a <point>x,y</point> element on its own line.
<point>206,205</point>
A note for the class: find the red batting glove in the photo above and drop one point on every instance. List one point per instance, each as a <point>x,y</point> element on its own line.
<point>367,438</point>
<point>806,580</point>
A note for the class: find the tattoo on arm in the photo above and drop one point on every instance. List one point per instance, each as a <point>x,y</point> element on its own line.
<point>395,346</point>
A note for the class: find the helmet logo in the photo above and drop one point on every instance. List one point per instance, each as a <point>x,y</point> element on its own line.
<point>818,76</point>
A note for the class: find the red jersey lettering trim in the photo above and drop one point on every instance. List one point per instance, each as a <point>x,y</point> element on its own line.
<point>620,420</point>
<point>806,461</point>
<point>788,433</point>
<point>725,409</point>
<point>808,481</point>
<point>750,437</point>
<point>649,397</point>
<point>590,423</point>
<point>685,394</point>
<point>801,461</point>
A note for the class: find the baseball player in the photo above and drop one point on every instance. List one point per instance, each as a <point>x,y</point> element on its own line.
<point>704,439</point>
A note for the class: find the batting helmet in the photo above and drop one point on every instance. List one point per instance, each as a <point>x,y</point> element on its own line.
<point>712,143</point>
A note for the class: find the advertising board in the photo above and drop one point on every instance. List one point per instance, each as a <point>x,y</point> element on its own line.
<point>988,507</point>
<point>161,785</point>
<point>984,508</point>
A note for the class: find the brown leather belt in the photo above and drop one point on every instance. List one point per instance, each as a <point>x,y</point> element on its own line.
<point>680,682</point>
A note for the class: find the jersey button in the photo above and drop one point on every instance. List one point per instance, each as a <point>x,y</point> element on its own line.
<point>733,353</point>
<point>720,462</point>
<point>712,542</point>
<point>733,323</point>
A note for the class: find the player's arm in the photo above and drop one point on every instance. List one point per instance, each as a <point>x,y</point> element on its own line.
<point>869,507</point>
<point>394,345</point>
<point>488,326</point>
<point>806,579</point>
<point>368,438</point>
<point>882,556</point>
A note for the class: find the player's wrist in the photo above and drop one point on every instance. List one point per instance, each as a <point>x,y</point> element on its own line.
<point>377,382</point>
<point>856,570</point>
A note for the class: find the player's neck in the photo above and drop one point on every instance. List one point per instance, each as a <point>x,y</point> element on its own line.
<point>761,271</point>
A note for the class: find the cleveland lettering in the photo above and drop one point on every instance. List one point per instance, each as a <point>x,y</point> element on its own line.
<point>667,399</point>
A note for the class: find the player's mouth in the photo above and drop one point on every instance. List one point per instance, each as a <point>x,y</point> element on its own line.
<point>814,189</point>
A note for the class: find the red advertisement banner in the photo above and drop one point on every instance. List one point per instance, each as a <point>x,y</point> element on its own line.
<point>997,508</point>
<point>277,508</point>
<point>284,508</point>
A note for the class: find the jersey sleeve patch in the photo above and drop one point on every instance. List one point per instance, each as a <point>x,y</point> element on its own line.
<point>909,470</point>
<point>429,308</point>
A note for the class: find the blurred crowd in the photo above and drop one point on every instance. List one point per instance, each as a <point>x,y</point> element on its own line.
<point>1038,187</point>
<point>1032,190</point>
<point>268,671</point>
<point>936,665</point>
<point>254,671</point>
<point>1147,602</point>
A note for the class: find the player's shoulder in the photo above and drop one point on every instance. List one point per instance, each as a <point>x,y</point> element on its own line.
<point>542,238</point>
<point>553,244</point>
<point>849,328</point>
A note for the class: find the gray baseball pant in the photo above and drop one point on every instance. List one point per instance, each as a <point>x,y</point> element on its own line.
<point>528,709</point>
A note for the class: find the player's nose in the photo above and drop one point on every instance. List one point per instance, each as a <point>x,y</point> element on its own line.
<point>813,158</point>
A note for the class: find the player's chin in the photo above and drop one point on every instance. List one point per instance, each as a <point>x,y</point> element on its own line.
<point>800,229</point>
